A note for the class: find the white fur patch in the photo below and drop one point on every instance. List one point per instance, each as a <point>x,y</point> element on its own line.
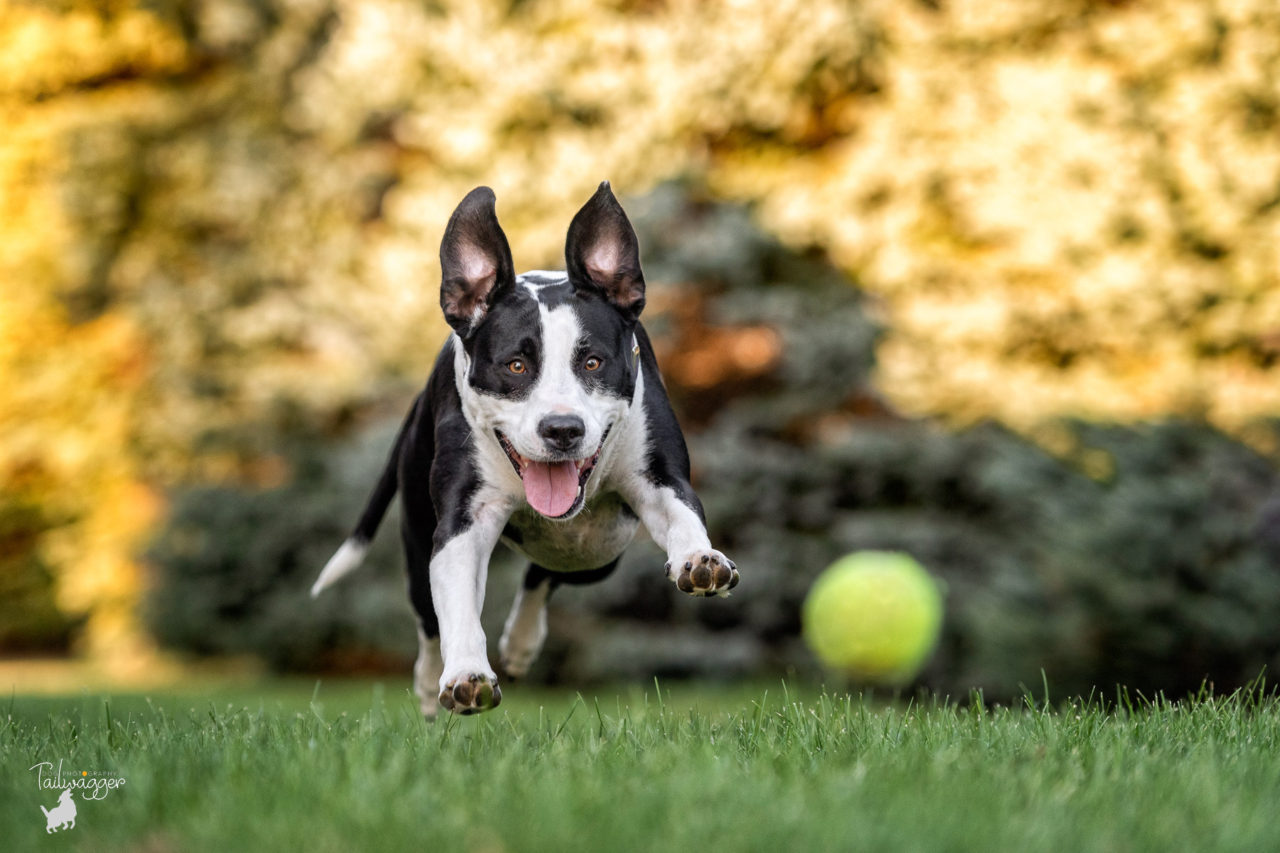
<point>534,280</point>
<point>560,391</point>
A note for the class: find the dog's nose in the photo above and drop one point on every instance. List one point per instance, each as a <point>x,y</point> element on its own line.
<point>562,432</point>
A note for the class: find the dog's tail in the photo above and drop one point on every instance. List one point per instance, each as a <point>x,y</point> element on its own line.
<point>349,557</point>
<point>46,811</point>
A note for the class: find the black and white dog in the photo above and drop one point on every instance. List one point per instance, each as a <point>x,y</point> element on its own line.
<point>545,425</point>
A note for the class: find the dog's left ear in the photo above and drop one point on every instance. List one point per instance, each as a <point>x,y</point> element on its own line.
<point>475,261</point>
<point>602,252</point>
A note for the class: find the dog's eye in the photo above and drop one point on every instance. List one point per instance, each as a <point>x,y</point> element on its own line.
<point>592,363</point>
<point>516,366</point>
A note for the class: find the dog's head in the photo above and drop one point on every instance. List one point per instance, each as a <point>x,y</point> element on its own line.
<point>551,357</point>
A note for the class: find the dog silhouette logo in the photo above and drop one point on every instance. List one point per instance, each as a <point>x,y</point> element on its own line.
<point>62,815</point>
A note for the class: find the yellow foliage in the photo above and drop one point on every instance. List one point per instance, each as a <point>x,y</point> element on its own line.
<point>66,420</point>
<point>69,392</point>
<point>44,50</point>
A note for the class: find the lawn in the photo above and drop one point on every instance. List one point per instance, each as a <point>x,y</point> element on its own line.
<point>351,766</point>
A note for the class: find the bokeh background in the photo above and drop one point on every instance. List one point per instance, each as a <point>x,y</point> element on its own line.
<point>994,282</point>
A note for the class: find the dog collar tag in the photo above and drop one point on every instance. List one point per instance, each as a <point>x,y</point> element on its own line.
<point>635,356</point>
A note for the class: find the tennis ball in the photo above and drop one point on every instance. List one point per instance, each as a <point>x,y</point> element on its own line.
<point>873,615</point>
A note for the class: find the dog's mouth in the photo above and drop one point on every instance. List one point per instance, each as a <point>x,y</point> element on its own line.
<point>555,489</point>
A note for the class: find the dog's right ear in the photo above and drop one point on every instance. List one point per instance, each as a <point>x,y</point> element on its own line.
<point>475,261</point>
<point>602,252</point>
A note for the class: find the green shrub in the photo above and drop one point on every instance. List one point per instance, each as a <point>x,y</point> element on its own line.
<point>232,569</point>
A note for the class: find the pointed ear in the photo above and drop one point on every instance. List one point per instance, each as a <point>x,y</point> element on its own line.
<point>602,252</point>
<point>475,261</point>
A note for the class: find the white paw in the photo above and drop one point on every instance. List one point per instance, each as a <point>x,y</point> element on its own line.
<point>703,573</point>
<point>470,692</point>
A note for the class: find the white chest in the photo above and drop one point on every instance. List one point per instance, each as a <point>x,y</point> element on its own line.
<point>590,540</point>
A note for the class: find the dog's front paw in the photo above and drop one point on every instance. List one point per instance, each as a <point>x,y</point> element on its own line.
<point>704,573</point>
<point>470,693</point>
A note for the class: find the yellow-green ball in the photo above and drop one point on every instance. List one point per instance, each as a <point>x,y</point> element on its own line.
<point>874,615</point>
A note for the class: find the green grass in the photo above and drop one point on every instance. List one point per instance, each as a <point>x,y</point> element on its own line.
<point>355,768</point>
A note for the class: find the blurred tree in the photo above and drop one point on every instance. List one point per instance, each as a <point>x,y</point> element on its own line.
<point>220,217</point>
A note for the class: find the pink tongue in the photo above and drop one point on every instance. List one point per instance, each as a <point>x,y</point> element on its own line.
<point>551,487</point>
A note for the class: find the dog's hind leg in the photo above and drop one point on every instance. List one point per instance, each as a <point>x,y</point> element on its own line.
<point>526,628</point>
<point>427,668</point>
<point>426,673</point>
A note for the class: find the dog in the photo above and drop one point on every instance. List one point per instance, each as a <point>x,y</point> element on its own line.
<point>61,816</point>
<point>544,425</point>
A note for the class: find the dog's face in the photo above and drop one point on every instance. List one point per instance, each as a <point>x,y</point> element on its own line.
<point>550,357</point>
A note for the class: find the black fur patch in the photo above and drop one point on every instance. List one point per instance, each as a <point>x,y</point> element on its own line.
<point>436,462</point>
<point>512,331</point>
<point>535,575</point>
<point>607,335</point>
<point>668,461</point>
